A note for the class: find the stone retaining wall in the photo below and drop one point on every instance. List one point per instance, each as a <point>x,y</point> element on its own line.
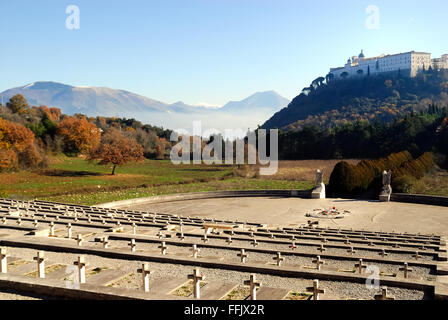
<point>419,199</point>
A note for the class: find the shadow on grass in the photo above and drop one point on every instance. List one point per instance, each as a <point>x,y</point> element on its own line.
<point>70,173</point>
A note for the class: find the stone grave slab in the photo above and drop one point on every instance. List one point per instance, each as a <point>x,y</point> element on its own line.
<point>166,286</point>
<point>266,293</point>
<point>106,277</point>
<point>216,290</point>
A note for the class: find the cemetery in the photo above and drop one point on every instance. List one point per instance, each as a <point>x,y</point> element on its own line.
<point>81,252</point>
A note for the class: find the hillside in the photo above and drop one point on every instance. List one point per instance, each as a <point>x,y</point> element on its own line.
<point>373,99</point>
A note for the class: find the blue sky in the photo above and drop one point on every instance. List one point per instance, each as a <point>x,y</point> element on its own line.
<point>208,51</point>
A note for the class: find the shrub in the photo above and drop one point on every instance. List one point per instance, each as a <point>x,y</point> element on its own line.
<point>403,184</point>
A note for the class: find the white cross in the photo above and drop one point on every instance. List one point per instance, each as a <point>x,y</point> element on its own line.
<point>181,236</point>
<point>204,238</point>
<point>132,244</point>
<point>105,242</point>
<point>81,263</point>
<point>195,251</point>
<point>253,284</point>
<point>351,250</point>
<point>145,276</point>
<point>19,221</point>
<point>321,248</point>
<point>315,290</point>
<point>416,255</point>
<point>160,235</point>
<point>406,269</point>
<point>318,262</point>
<point>243,255</point>
<point>293,246</point>
<point>3,260</point>
<point>4,220</point>
<point>79,239</point>
<point>51,229</point>
<point>134,228</point>
<point>360,266</point>
<point>383,253</point>
<point>383,295</point>
<point>229,240</point>
<point>163,248</point>
<point>35,223</point>
<point>279,259</point>
<point>254,243</point>
<point>69,230</point>
<point>40,258</point>
<point>197,278</point>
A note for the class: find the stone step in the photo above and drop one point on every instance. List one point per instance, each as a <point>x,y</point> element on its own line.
<point>216,290</point>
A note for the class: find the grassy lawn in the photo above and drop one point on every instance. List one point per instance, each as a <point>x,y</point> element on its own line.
<point>74,180</point>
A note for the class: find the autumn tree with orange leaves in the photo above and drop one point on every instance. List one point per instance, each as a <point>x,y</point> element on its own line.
<point>116,150</point>
<point>17,147</point>
<point>79,135</point>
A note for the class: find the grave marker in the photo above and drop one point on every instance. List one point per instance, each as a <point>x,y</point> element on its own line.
<point>145,276</point>
<point>405,269</point>
<point>384,295</point>
<point>243,255</point>
<point>81,263</point>
<point>253,285</point>
<point>3,260</point>
<point>163,248</point>
<point>197,278</point>
<point>360,266</point>
<point>318,262</point>
<point>279,259</point>
<point>51,229</point>
<point>69,230</point>
<point>315,290</point>
<point>40,258</point>
<point>195,251</point>
<point>79,239</point>
<point>133,245</point>
<point>321,248</point>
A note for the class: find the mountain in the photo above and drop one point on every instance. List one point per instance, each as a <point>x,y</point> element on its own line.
<point>381,98</point>
<point>93,101</point>
<point>267,100</point>
<point>102,101</point>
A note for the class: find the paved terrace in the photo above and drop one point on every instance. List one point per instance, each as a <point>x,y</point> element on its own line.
<point>276,212</point>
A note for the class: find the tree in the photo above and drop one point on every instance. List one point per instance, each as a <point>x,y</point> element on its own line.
<point>79,135</point>
<point>344,74</point>
<point>17,147</point>
<point>360,72</point>
<point>18,104</point>
<point>116,149</point>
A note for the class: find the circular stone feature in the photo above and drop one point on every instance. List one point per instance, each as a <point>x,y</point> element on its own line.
<point>332,213</point>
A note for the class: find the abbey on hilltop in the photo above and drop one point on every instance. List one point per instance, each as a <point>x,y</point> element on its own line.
<point>408,64</point>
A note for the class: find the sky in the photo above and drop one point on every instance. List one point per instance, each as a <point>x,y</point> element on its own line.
<point>207,51</point>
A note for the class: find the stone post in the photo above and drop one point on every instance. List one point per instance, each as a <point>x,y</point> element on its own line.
<point>319,188</point>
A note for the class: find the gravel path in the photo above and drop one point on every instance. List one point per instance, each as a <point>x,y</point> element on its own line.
<point>341,290</point>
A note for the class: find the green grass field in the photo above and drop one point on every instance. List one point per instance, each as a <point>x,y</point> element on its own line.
<point>74,180</point>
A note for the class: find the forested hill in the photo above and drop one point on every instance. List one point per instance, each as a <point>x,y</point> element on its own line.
<point>329,103</point>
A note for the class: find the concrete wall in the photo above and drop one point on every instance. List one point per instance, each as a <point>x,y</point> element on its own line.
<point>420,199</point>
